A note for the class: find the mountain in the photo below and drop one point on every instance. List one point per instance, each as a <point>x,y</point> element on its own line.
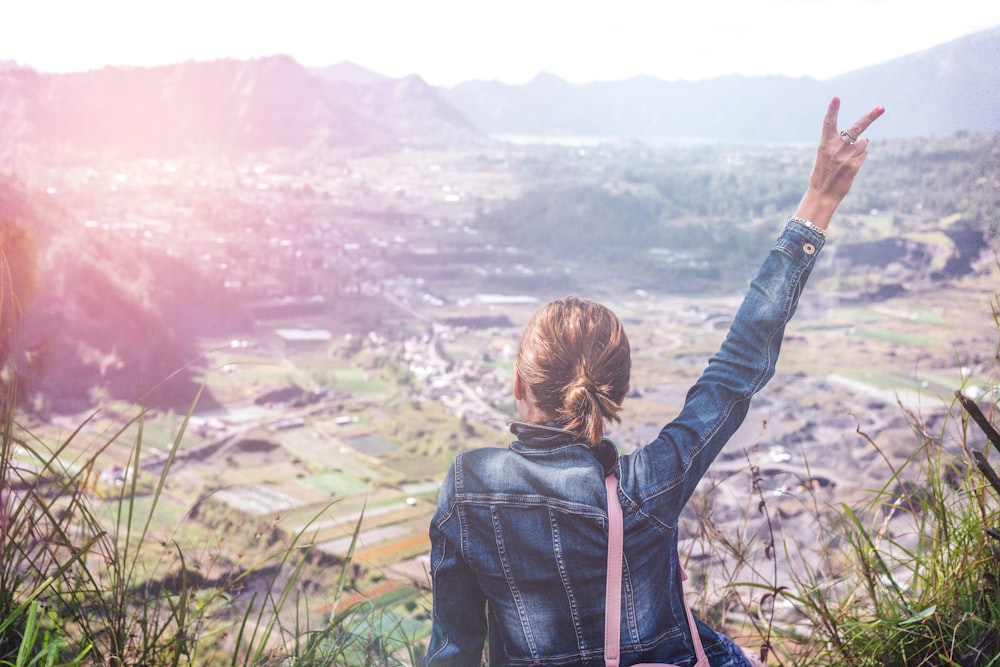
<point>950,88</point>
<point>211,106</point>
<point>216,107</point>
<point>227,106</point>
<point>348,72</point>
<point>406,108</point>
<point>730,108</point>
<point>937,92</point>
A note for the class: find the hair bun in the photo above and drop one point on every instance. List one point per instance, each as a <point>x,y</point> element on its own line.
<point>574,355</point>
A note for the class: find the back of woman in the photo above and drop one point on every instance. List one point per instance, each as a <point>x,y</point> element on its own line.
<point>532,529</point>
<point>520,539</point>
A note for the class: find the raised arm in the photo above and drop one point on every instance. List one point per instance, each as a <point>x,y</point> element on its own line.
<point>662,475</point>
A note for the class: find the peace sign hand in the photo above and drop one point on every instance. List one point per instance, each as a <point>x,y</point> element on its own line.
<point>838,159</point>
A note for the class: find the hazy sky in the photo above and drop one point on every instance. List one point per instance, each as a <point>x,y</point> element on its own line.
<point>447,41</point>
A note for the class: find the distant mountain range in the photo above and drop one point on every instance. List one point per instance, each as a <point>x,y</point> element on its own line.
<point>953,87</point>
<point>220,107</point>
<point>227,106</point>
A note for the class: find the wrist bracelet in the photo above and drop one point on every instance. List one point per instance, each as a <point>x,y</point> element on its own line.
<point>808,224</point>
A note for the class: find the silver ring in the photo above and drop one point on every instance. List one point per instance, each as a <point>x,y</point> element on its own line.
<point>848,139</point>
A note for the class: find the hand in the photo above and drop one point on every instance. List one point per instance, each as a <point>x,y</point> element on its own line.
<point>838,160</point>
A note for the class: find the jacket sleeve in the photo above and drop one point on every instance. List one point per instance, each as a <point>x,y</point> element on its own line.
<point>459,624</point>
<point>665,472</point>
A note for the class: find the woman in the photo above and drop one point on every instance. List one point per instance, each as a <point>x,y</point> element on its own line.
<point>519,539</point>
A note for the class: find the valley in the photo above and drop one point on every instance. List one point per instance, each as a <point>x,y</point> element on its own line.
<point>372,310</point>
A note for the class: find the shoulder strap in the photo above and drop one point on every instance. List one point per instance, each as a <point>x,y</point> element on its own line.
<point>613,590</point>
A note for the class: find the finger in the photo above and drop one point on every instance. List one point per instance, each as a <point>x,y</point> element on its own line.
<point>860,149</point>
<point>858,153</point>
<point>830,120</point>
<point>861,124</point>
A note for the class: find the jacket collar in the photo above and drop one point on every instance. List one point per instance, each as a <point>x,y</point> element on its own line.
<point>542,439</point>
<point>532,437</point>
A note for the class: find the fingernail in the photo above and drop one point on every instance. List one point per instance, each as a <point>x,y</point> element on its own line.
<point>835,101</point>
<point>881,110</point>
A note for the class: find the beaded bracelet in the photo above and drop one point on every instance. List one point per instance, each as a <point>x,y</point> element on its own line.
<point>808,224</point>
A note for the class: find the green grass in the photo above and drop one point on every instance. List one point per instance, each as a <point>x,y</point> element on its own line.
<point>904,574</point>
<point>338,484</point>
<point>163,512</point>
<point>307,445</point>
<point>357,381</point>
<point>944,601</point>
<point>251,375</point>
<point>100,606</point>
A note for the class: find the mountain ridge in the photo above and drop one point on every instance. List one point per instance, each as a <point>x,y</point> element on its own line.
<point>216,107</point>
<point>226,106</point>
<point>949,88</point>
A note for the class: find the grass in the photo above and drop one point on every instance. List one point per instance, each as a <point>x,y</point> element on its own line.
<point>339,484</point>
<point>921,578</point>
<point>94,571</point>
<point>906,575</point>
<point>245,378</point>
<point>88,578</point>
<point>358,382</point>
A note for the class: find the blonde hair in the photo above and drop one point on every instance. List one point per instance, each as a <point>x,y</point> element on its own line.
<point>575,358</point>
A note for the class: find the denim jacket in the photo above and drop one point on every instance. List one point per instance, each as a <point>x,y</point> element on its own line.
<point>519,538</point>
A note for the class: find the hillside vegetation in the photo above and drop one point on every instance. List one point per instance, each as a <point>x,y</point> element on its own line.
<point>689,198</point>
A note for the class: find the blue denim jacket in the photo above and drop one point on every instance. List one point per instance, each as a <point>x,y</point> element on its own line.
<point>519,539</point>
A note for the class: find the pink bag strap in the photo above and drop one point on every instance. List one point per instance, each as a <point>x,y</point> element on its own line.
<point>613,590</point>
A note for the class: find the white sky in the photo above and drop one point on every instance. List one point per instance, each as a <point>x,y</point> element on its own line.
<point>448,41</point>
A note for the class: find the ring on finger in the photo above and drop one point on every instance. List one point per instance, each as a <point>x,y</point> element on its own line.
<point>848,138</point>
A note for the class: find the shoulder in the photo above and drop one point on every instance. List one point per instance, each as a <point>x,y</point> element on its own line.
<point>475,466</point>
<point>470,473</point>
